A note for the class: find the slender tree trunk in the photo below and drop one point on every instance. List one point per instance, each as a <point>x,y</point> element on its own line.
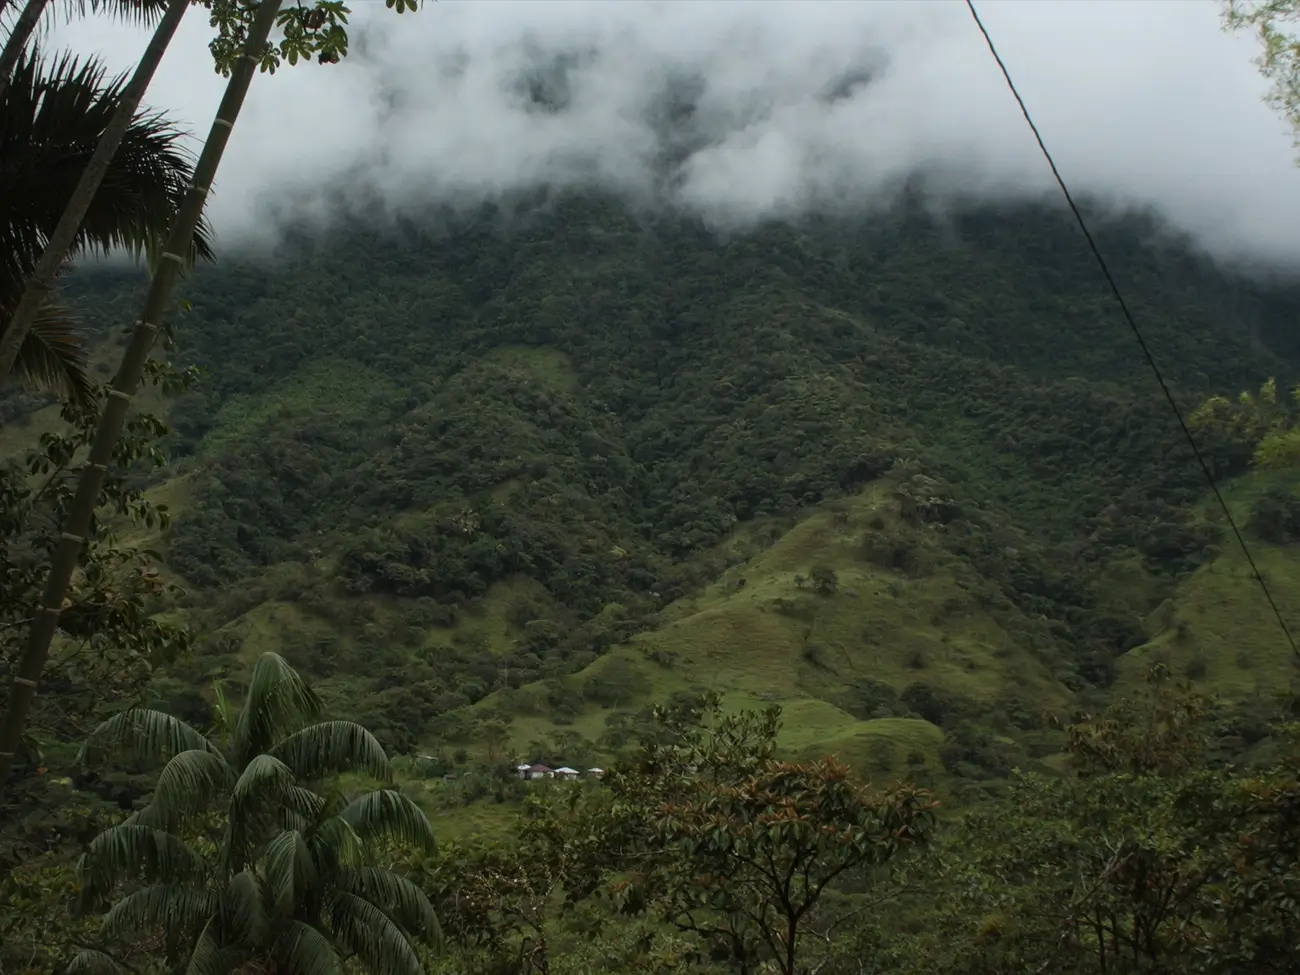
<point>56,250</point>
<point>80,516</point>
<point>17,40</point>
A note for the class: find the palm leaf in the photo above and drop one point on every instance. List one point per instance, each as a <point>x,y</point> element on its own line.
<point>146,733</point>
<point>389,815</point>
<point>300,809</point>
<point>51,118</point>
<point>264,778</point>
<point>243,909</point>
<point>53,355</point>
<point>142,13</point>
<point>335,845</point>
<point>91,961</point>
<point>255,803</point>
<point>171,907</point>
<point>289,870</point>
<point>303,950</point>
<point>208,957</point>
<point>400,899</point>
<point>188,783</point>
<point>331,747</point>
<point>366,931</point>
<point>132,852</point>
<point>278,702</point>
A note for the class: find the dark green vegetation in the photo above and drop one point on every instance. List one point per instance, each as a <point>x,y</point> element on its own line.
<point>500,483</point>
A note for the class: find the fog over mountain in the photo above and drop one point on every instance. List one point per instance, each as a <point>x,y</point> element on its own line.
<point>751,110</point>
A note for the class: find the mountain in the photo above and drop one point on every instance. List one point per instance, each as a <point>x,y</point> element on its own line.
<point>540,465</point>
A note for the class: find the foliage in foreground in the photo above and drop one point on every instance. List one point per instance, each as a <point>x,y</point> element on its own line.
<point>701,856</point>
<point>239,859</point>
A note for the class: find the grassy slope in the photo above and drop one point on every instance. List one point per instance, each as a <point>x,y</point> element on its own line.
<point>1218,630</point>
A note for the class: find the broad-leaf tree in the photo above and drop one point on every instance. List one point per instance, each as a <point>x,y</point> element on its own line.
<point>728,843</point>
<point>1274,22</point>
<point>241,859</point>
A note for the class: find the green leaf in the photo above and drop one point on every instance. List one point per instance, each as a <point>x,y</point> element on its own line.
<point>331,747</point>
<point>365,930</point>
<point>145,733</point>
<point>402,900</point>
<point>289,870</point>
<point>89,961</point>
<point>208,956</point>
<point>391,815</point>
<point>278,702</point>
<point>132,851</point>
<point>243,908</point>
<point>172,907</point>
<point>303,950</point>
<point>191,781</point>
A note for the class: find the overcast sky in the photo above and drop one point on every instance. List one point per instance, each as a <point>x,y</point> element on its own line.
<point>1145,103</point>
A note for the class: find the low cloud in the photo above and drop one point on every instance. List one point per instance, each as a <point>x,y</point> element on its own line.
<point>749,110</point>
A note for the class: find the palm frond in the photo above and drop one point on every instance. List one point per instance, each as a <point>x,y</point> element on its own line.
<point>370,934</point>
<point>277,703</point>
<point>91,961</point>
<point>255,803</point>
<point>302,950</point>
<point>53,355</point>
<point>139,13</point>
<point>289,870</point>
<point>189,782</point>
<point>301,808</point>
<point>172,907</point>
<point>143,732</point>
<point>331,747</point>
<point>400,899</point>
<point>335,846</point>
<point>51,118</point>
<point>209,957</point>
<point>387,814</point>
<point>243,909</point>
<point>265,778</point>
<point>131,852</point>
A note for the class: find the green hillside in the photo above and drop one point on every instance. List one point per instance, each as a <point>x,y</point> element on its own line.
<point>547,464</point>
<point>535,483</point>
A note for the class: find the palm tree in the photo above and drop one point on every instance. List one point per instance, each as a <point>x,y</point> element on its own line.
<point>181,236</point>
<point>24,25</point>
<point>51,121</point>
<point>286,882</point>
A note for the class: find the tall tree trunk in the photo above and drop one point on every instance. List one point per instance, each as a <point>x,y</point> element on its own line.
<point>17,40</point>
<point>56,250</point>
<point>80,516</point>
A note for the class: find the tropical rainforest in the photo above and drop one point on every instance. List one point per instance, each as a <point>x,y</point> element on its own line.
<point>858,567</point>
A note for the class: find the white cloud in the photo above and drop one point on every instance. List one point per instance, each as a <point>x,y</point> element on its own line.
<point>1144,103</point>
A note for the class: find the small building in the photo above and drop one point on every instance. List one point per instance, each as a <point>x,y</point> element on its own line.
<point>522,771</point>
<point>539,772</point>
<point>566,773</point>
<point>595,773</point>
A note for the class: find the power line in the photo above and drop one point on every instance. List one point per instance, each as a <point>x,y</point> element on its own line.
<point>1137,332</point>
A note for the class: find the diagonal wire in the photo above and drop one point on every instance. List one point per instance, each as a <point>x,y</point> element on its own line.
<point>1137,333</point>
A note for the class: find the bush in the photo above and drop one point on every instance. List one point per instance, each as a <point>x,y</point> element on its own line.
<point>1275,516</point>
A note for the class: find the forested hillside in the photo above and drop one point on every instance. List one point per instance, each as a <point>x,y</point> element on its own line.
<point>499,482</point>
<point>477,451</point>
